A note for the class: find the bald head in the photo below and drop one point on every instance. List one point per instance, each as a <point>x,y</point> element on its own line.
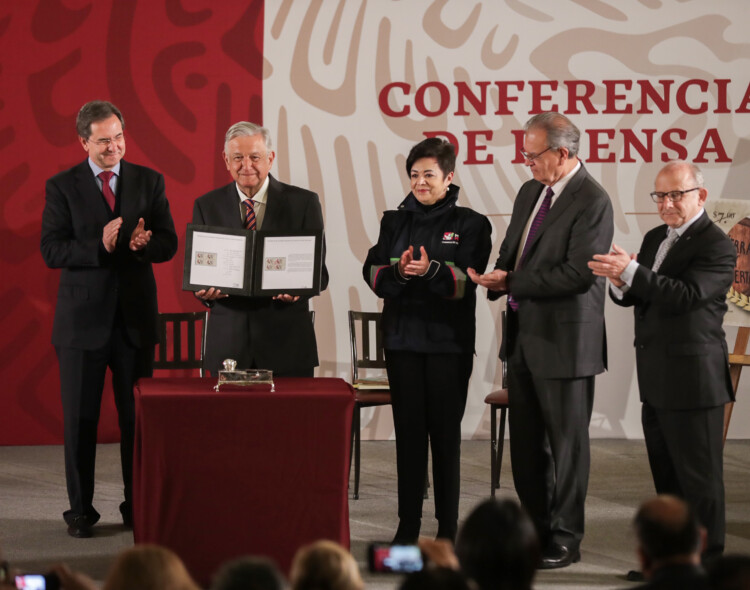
<point>667,530</point>
<point>679,193</point>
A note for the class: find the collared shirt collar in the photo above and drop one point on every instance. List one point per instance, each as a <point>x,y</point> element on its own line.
<point>684,227</point>
<point>560,185</point>
<point>259,197</point>
<point>97,171</point>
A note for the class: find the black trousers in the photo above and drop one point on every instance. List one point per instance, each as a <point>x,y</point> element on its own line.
<point>428,393</point>
<point>549,449</point>
<point>81,385</point>
<point>685,449</point>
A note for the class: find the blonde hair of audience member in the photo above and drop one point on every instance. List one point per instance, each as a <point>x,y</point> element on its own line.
<point>148,567</point>
<point>325,565</point>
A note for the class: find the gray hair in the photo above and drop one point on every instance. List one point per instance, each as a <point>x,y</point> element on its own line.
<point>561,132</point>
<point>246,129</point>
<point>93,112</point>
<point>695,172</point>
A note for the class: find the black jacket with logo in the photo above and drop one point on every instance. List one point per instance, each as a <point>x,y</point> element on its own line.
<point>434,313</point>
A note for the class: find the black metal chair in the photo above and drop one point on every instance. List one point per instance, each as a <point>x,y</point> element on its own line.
<point>368,391</point>
<point>181,341</point>
<point>364,328</point>
<point>497,400</point>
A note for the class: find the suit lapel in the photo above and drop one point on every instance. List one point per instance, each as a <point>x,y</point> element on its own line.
<point>683,245</point>
<point>563,201</point>
<point>526,202</point>
<point>276,205</point>
<point>127,195</point>
<point>647,255</point>
<point>91,194</point>
<point>226,209</point>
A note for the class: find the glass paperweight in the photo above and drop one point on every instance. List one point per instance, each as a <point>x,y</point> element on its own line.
<point>233,377</point>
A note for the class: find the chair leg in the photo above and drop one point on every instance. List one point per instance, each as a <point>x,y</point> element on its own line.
<point>426,494</point>
<point>357,435</point>
<point>500,444</point>
<point>351,443</point>
<point>493,448</point>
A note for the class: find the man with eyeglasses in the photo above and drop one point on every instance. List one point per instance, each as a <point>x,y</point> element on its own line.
<point>259,332</point>
<point>554,344</point>
<point>677,285</point>
<point>105,222</point>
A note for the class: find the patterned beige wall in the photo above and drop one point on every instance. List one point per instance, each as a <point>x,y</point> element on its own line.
<point>646,81</point>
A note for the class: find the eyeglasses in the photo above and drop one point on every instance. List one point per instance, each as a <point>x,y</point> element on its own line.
<point>674,196</point>
<point>106,141</point>
<point>254,158</point>
<point>532,157</point>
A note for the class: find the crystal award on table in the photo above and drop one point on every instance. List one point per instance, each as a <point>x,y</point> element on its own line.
<point>233,377</point>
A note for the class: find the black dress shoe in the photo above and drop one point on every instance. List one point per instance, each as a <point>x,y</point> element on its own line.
<point>126,510</point>
<point>556,555</point>
<point>635,576</point>
<point>407,532</point>
<point>79,525</point>
<point>447,532</point>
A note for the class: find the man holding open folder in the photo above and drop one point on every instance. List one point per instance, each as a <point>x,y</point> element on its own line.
<point>259,332</point>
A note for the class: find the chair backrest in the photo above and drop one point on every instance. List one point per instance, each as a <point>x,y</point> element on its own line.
<point>182,339</point>
<point>504,367</point>
<point>367,350</point>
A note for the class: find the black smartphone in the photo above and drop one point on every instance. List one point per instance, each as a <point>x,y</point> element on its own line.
<point>38,582</point>
<point>404,559</point>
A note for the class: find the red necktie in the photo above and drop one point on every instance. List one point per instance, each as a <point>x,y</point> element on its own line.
<point>106,189</point>
<point>249,214</point>
<point>540,215</point>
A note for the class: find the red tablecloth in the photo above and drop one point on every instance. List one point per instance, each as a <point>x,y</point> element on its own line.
<point>219,475</point>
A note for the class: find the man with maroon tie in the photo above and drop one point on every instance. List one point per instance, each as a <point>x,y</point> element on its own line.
<point>105,221</point>
<point>259,332</point>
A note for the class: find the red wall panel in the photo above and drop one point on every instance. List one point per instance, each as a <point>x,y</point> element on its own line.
<point>181,72</point>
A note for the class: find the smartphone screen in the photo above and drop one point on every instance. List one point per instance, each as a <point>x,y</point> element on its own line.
<point>394,558</point>
<point>31,582</point>
<point>38,582</point>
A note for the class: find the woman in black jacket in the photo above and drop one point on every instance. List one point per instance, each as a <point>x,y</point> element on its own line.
<point>418,267</point>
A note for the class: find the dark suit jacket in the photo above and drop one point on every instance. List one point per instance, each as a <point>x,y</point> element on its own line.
<point>435,313</point>
<point>681,350</point>
<point>560,319</point>
<point>94,283</point>
<point>272,334</point>
<point>677,577</point>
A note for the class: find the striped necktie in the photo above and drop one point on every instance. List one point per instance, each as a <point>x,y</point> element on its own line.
<point>109,196</point>
<point>664,247</point>
<point>249,214</point>
<point>538,219</point>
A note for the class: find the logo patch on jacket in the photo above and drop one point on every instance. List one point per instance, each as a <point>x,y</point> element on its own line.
<point>450,237</point>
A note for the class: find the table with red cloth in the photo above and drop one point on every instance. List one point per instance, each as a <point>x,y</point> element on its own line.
<point>243,471</point>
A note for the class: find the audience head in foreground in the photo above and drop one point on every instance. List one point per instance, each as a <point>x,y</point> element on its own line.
<point>248,573</point>
<point>668,534</point>
<point>325,565</point>
<point>497,546</point>
<point>730,572</point>
<point>436,578</point>
<point>149,567</point>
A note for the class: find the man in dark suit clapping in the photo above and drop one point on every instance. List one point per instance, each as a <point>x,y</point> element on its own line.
<point>104,222</point>
<point>554,344</point>
<point>677,285</point>
<point>259,332</point>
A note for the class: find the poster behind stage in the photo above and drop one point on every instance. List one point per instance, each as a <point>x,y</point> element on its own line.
<point>346,87</point>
